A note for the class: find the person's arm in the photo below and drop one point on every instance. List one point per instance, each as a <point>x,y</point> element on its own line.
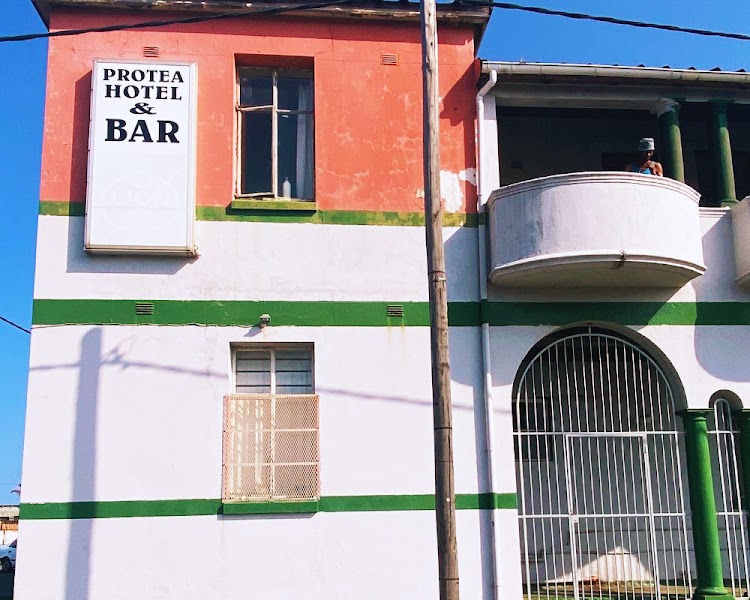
<point>658,170</point>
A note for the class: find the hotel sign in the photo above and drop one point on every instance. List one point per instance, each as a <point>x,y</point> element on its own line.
<point>141,170</point>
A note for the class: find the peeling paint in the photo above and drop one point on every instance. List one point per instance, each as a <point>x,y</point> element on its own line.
<point>469,175</point>
<point>450,191</point>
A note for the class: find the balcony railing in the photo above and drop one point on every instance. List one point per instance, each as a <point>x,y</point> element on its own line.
<point>595,229</point>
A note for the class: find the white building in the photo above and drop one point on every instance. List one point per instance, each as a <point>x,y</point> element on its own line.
<point>230,376</point>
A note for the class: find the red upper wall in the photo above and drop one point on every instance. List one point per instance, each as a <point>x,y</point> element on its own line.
<point>368,117</point>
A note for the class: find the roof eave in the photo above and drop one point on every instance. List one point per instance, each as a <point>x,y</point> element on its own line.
<point>663,74</point>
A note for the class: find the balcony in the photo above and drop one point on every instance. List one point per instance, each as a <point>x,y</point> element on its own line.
<point>594,229</point>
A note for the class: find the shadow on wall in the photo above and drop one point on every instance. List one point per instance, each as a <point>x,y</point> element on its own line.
<point>78,567</point>
<point>79,261</point>
<point>724,356</point>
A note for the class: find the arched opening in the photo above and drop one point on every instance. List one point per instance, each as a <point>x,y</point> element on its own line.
<point>602,510</point>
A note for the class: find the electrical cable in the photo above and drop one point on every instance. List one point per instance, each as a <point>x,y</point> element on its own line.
<point>166,22</point>
<point>613,20</point>
<point>16,325</point>
<point>278,10</point>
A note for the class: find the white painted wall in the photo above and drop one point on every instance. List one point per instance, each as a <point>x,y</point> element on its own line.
<point>259,261</point>
<point>331,556</point>
<point>135,413</point>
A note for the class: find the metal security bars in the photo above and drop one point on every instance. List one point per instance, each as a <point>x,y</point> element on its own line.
<point>733,534</point>
<point>270,449</point>
<point>599,471</point>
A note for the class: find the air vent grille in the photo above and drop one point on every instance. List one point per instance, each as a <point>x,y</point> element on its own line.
<point>395,310</point>
<point>389,59</point>
<point>144,308</point>
<point>151,51</point>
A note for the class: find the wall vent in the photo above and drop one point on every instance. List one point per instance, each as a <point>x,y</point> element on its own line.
<point>389,59</point>
<point>394,310</point>
<point>151,51</point>
<point>144,308</point>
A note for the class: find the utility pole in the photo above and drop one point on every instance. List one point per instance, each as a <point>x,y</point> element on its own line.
<point>445,508</point>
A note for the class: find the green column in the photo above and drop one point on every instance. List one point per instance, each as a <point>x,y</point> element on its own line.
<point>722,153</point>
<point>703,507</point>
<point>667,111</point>
<point>743,420</point>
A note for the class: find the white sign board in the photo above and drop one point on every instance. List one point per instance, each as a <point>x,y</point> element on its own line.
<point>141,172</point>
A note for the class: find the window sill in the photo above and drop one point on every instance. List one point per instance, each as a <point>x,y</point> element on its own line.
<point>273,204</point>
<point>262,507</point>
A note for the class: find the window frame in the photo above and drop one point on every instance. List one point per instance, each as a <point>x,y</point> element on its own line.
<point>275,111</point>
<point>293,504</point>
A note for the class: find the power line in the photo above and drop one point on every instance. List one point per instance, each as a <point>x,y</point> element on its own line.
<point>277,10</point>
<point>16,325</point>
<point>163,23</point>
<point>613,20</point>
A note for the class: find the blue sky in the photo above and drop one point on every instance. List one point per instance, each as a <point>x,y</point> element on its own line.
<point>511,35</point>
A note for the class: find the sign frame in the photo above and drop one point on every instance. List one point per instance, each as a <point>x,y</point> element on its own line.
<point>189,248</point>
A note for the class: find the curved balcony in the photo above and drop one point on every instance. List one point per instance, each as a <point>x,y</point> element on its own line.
<point>595,229</point>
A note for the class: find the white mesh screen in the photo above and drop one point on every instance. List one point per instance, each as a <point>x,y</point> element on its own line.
<point>270,447</point>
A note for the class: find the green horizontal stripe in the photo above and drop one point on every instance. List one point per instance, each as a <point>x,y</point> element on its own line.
<point>240,313</point>
<point>623,313</point>
<point>295,212</point>
<point>373,314</point>
<point>202,507</point>
<point>270,508</point>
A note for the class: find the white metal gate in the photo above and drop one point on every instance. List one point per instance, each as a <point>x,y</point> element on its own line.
<point>598,462</point>
<point>733,534</point>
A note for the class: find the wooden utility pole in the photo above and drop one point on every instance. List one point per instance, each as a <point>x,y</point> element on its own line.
<point>445,509</point>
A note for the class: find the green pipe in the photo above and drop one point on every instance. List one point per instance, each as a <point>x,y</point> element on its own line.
<point>703,507</point>
<point>669,122</point>
<point>722,154</point>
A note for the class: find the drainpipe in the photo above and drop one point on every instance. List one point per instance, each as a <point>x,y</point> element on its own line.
<point>489,426</point>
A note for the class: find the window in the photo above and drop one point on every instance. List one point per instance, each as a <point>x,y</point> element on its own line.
<point>275,125</point>
<point>271,427</point>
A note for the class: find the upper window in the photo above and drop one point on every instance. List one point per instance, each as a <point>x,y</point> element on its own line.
<point>275,125</point>
<point>271,427</point>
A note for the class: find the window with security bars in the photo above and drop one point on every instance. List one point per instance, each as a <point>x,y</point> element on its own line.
<point>271,427</point>
<point>275,128</point>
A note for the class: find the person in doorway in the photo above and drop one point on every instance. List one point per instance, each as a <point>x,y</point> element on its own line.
<point>644,164</point>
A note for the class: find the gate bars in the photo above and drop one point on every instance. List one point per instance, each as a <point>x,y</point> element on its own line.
<point>598,461</point>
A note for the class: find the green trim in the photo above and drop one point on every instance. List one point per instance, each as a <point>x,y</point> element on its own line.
<point>374,314</point>
<point>288,212</point>
<point>203,507</point>
<point>270,508</point>
<point>119,508</point>
<point>623,313</point>
<point>62,209</point>
<point>281,205</point>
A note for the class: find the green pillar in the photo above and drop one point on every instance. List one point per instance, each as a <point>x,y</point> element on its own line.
<point>743,420</point>
<point>667,111</point>
<point>703,507</point>
<point>722,153</point>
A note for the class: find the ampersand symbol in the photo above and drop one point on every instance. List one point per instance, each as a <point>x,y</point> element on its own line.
<point>142,108</point>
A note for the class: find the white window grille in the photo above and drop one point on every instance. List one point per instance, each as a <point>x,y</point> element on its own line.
<point>271,449</point>
<point>275,129</point>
